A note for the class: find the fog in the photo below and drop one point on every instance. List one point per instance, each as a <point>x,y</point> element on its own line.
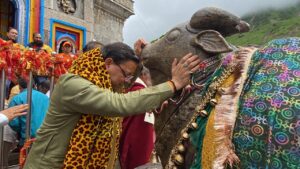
<point>155,17</point>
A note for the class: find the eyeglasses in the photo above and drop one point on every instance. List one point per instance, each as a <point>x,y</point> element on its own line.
<point>126,77</point>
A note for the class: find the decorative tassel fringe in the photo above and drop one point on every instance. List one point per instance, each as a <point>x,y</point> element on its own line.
<point>226,112</point>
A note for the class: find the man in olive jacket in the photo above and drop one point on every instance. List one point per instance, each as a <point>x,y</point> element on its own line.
<point>74,96</point>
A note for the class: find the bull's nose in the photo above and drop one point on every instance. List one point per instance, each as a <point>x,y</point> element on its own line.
<point>243,27</point>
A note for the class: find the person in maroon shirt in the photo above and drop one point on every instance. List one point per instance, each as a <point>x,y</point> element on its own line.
<point>137,138</point>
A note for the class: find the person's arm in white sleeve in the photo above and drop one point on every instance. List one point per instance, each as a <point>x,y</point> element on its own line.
<point>3,120</point>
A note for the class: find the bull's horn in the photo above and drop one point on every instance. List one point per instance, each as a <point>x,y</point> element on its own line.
<point>219,20</point>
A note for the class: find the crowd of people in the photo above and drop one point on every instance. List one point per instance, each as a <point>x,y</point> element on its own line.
<point>16,95</point>
<point>74,129</point>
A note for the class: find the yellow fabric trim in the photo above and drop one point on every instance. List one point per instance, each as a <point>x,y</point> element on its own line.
<point>209,145</point>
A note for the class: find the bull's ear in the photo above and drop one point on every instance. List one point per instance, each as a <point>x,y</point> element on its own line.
<point>211,41</point>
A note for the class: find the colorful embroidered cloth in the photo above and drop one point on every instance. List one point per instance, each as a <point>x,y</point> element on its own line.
<point>267,131</point>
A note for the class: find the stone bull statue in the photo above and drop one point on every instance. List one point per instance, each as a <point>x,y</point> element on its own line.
<point>241,110</point>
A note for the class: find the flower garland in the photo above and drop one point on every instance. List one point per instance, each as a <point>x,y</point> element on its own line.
<point>9,59</point>
<point>19,62</point>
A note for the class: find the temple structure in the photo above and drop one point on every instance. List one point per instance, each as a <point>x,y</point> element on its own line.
<point>76,21</point>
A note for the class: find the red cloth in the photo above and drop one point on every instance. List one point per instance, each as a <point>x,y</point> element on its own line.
<point>136,142</point>
<point>67,59</point>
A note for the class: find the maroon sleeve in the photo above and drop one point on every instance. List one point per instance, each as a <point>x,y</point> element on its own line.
<point>136,142</point>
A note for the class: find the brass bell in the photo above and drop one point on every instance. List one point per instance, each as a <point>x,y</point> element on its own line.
<point>203,113</point>
<point>180,148</point>
<point>185,135</point>
<point>178,159</point>
<point>194,125</point>
<point>213,102</point>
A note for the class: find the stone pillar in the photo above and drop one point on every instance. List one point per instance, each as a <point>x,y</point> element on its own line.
<point>89,18</point>
<point>110,16</point>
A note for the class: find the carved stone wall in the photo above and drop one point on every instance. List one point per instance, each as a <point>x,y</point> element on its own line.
<point>103,19</point>
<point>126,3</point>
<point>78,6</point>
<point>110,16</point>
<point>79,18</point>
<point>107,28</point>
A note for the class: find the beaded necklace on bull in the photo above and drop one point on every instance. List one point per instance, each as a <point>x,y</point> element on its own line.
<point>211,86</point>
<point>198,81</point>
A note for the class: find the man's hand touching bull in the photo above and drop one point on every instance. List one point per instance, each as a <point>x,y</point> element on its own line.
<point>182,70</point>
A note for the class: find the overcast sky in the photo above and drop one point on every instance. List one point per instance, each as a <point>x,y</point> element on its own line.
<point>155,17</point>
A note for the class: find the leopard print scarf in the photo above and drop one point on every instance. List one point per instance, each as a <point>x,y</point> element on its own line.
<point>95,139</point>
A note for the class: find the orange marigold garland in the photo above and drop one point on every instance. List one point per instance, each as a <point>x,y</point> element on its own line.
<point>17,61</point>
<point>58,66</point>
<point>38,62</point>
<point>43,63</point>
<point>10,58</point>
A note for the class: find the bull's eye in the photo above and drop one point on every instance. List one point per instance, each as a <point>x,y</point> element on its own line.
<point>173,35</point>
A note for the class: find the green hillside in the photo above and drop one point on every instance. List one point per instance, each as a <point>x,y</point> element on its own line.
<point>268,25</point>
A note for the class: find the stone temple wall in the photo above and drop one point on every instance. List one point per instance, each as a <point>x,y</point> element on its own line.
<point>102,19</point>
<point>110,16</point>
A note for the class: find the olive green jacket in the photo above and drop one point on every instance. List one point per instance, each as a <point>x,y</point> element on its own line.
<point>73,96</point>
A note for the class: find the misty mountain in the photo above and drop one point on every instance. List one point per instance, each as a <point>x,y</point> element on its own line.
<point>269,24</point>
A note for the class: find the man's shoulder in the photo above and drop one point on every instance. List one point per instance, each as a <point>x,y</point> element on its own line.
<point>19,97</point>
<point>46,46</point>
<point>36,92</point>
<point>73,80</point>
<point>22,93</point>
<point>71,84</point>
